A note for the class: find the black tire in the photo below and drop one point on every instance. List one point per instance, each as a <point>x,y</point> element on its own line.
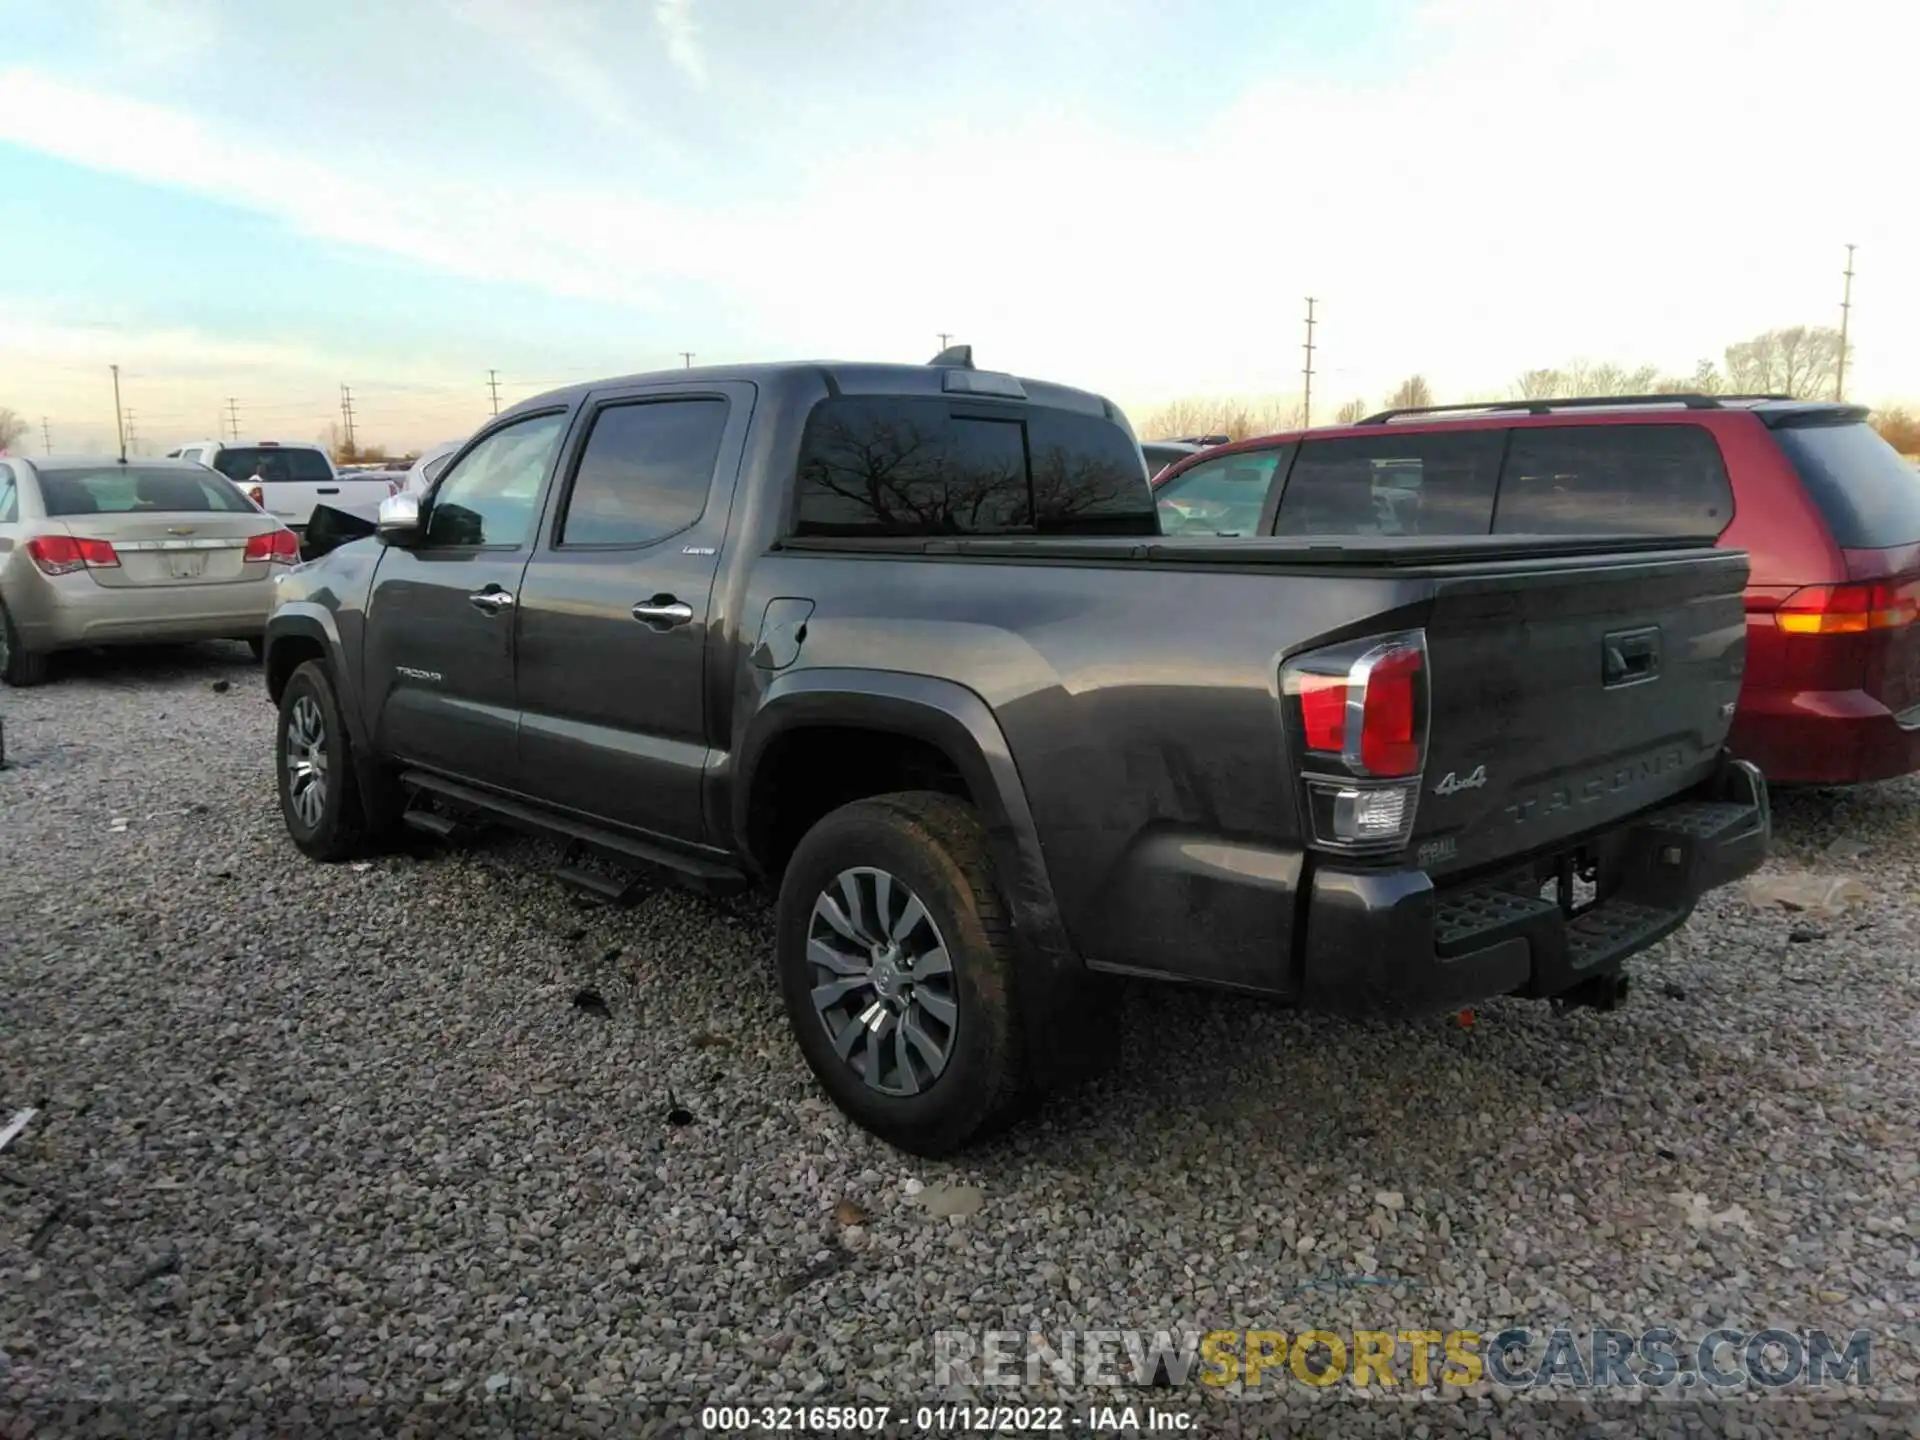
<point>19,666</point>
<point>339,827</point>
<point>937,846</point>
<point>258,646</point>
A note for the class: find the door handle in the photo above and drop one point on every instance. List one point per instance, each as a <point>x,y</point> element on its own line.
<point>663,612</point>
<point>492,601</point>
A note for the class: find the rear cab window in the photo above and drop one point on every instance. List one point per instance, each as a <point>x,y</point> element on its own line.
<point>301,465</point>
<point>1613,479</point>
<point>1225,496</point>
<point>1432,483</point>
<point>875,466</point>
<point>1868,495</point>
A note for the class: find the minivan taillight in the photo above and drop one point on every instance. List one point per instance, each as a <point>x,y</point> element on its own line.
<point>1847,609</point>
<point>1359,713</point>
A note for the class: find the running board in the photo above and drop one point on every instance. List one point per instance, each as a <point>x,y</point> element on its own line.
<point>712,874</point>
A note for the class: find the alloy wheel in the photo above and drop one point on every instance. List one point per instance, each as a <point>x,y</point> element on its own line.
<point>883,983</point>
<point>307,760</point>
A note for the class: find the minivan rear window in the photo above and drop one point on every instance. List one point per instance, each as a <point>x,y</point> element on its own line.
<point>300,464</point>
<point>1868,495</point>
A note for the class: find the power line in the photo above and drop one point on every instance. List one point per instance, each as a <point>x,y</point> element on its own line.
<point>1306,401</point>
<point>119,416</point>
<point>1846,307</point>
<point>346,414</point>
<point>493,384</point>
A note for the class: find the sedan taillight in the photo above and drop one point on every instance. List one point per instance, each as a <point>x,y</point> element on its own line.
<point>280,547</point>
<point>63,554</point>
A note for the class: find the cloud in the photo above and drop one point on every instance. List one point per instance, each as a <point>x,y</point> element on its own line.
<point>675,18</point>
<point>1543,184</point>
<point>562,45</point>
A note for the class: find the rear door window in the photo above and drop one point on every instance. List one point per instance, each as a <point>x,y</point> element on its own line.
<point>1869,496</point>
<point>1613,479</point>
<point>1219,497</point>
<point>1435,483</point>
<point>645,472</point>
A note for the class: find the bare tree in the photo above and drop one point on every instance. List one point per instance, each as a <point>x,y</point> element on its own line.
<point>1351,413</point>
<point>1799,360</point>
<point>12,427</point>
<point>1541,385</point>
<point>1414,391</point>
<point>1899,427</point>
<point>1236,418</point>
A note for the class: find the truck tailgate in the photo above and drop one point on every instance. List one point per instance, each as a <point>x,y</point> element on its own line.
<point>1566,695</point>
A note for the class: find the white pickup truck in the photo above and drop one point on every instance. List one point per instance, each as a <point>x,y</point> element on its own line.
<point>286,481</point>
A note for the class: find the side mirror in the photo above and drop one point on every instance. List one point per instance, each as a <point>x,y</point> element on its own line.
<point>399,519</point>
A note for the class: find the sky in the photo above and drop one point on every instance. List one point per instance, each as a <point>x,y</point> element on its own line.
<point>262,201</point>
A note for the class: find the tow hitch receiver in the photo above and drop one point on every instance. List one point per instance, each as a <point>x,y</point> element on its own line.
<point>1602,992</point>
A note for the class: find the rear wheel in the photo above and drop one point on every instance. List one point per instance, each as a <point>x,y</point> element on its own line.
<point>318,774</point>
<point>896,965</point>
<point>19,666</point>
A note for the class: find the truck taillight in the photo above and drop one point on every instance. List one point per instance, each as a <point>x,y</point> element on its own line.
<point>63,555</point>
<point>1359,712</point>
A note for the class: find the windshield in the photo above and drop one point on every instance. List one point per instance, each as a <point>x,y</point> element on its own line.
<point>131,489</point>
<point>303,465</point>
<point>1869,496</point>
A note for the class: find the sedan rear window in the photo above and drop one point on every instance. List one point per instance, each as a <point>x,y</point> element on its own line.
<point>304,466</point>
<point>126,490</point>
<point>1868,495</point>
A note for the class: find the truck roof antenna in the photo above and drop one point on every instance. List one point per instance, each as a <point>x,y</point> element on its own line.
<point>954,357</point>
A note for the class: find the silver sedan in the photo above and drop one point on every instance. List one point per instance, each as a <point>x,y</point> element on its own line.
<point>113,552</point>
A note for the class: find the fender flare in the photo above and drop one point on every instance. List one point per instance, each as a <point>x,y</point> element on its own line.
<point>962,726</point>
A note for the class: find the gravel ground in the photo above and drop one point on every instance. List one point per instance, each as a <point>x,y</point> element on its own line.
<point>312,1136</point>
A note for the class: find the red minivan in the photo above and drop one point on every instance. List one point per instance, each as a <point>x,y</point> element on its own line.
<point>1827,511</point>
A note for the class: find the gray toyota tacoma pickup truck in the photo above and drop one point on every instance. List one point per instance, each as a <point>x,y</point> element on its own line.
<point>904,644</point>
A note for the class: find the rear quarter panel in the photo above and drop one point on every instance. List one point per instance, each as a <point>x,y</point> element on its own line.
<point>1142,710</point>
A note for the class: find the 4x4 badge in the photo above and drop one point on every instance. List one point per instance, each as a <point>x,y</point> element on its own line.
<point>1453,784</point>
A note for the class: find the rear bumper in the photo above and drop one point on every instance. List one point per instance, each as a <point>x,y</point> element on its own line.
<point>1824,737</point>
<point>73,616</point>
<point>1390,943</point>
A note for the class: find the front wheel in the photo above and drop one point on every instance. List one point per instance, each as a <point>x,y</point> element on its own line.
<point>317,770</point>
<point>896,965</point>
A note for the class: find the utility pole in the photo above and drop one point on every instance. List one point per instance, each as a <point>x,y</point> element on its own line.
<point>346,414</point>
<point>133,443</point>
<point>493,384</point>
<point>1306,402</point>
<point>687,355</point>
<point>119,415</point>
<point>945,336</point>
<point>46,433</point>
<point>233,416</point>
<point>1846,307</point>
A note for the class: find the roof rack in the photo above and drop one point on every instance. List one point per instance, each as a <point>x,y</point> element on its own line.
<point>1578,402</point>
<point>1201,440</point>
